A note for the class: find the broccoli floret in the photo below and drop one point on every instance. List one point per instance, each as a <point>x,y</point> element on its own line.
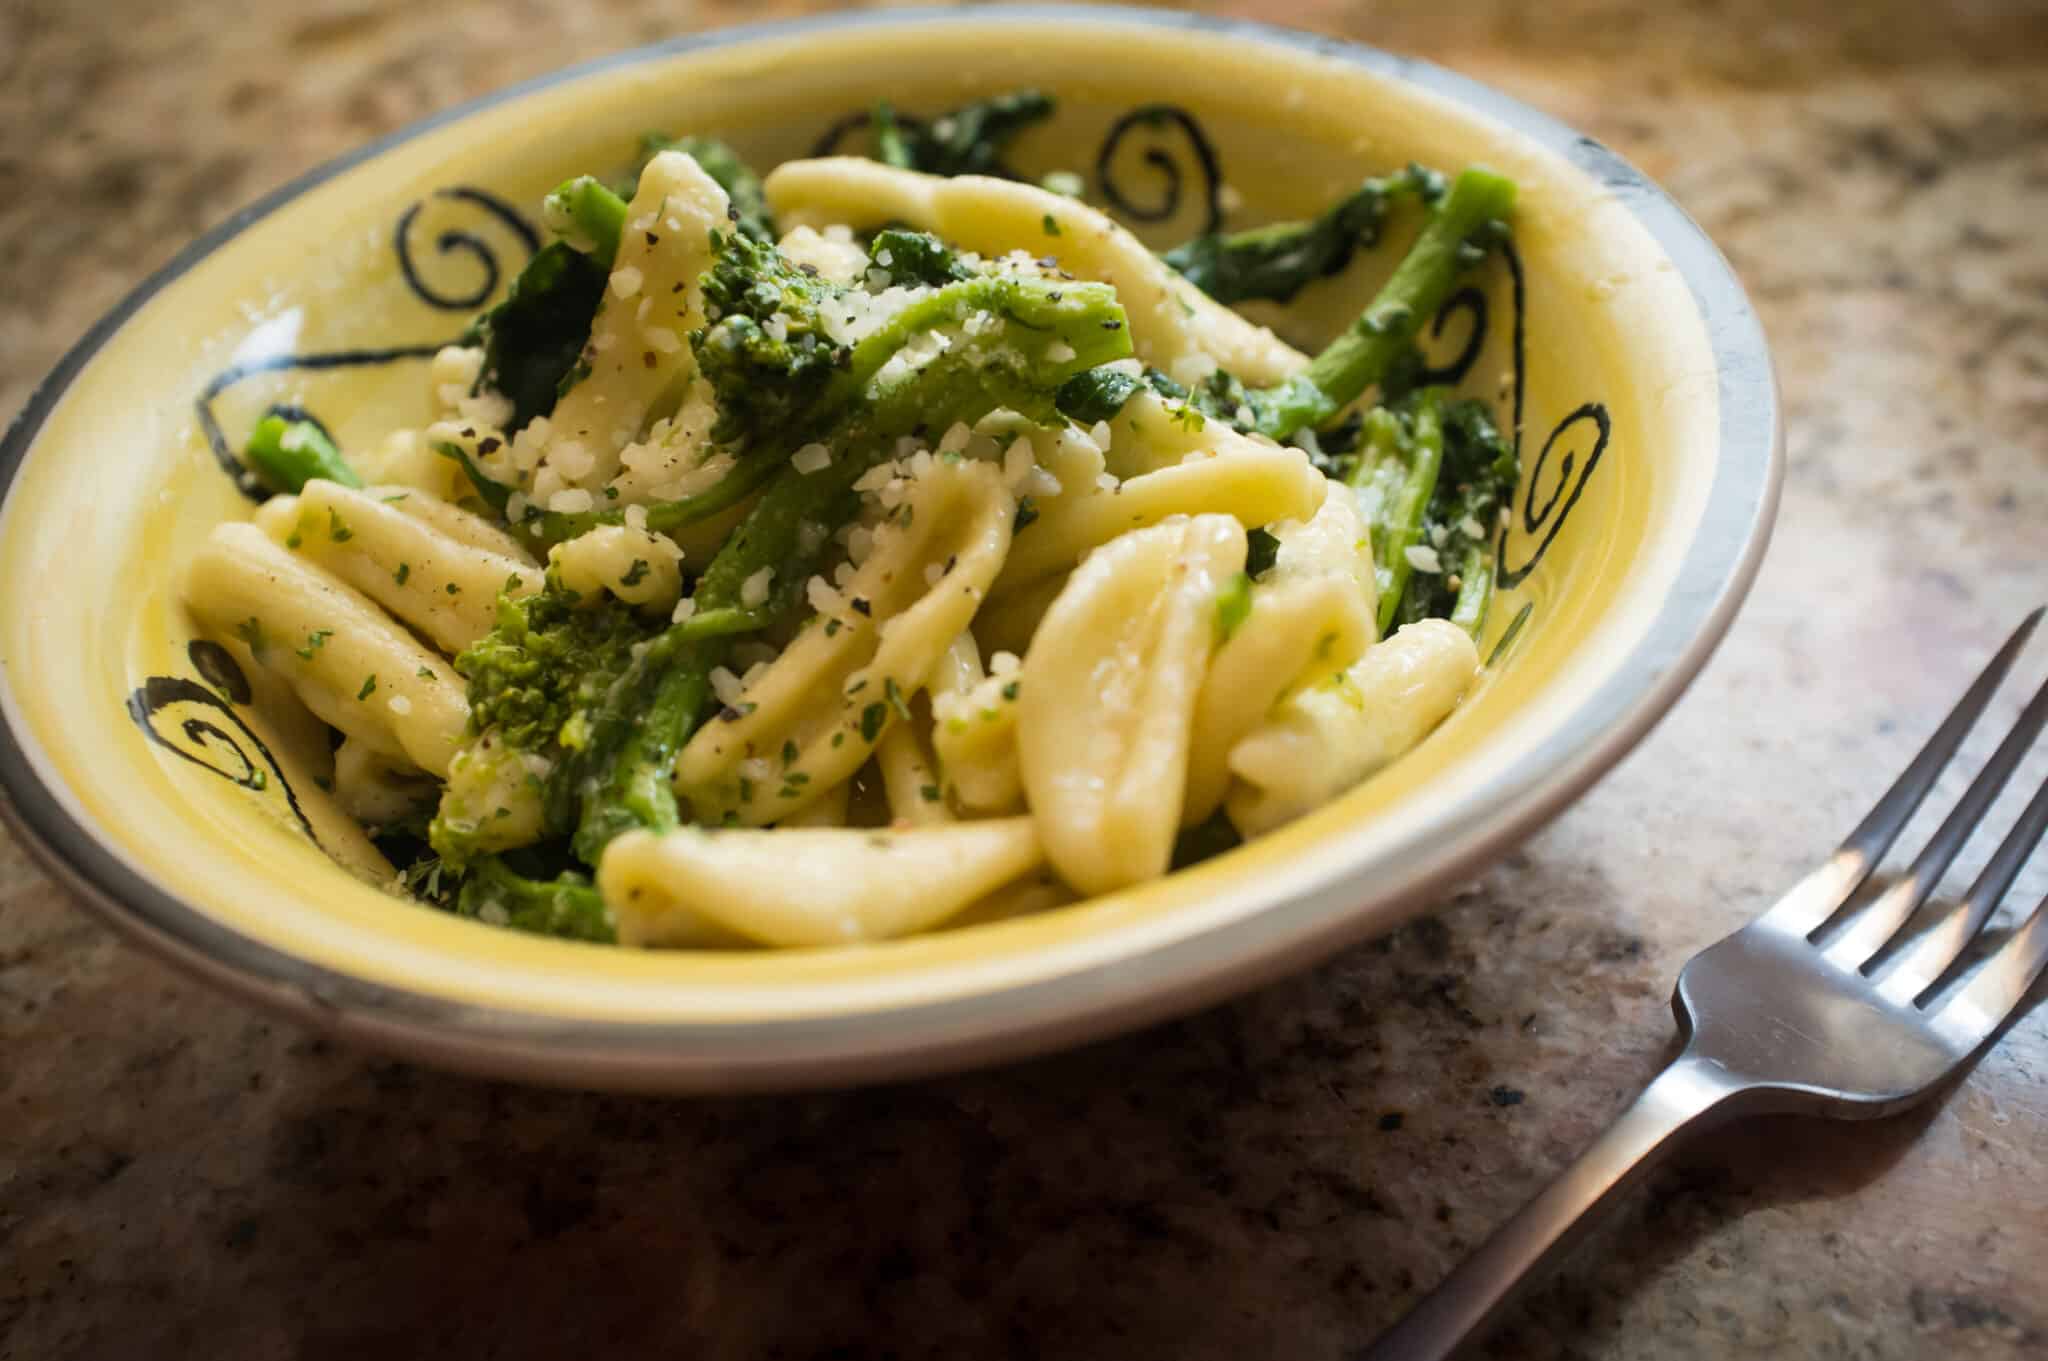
<point>533,338</point>
<point>550,658</point>
<point>534,681</point>
<point>968,140</point>
<point>767,356</point>
<point>721,163</point>
<point>1276,262</point>
<point>916,258</point>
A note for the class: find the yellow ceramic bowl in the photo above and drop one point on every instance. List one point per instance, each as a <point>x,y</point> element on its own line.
<point>1620,348</point>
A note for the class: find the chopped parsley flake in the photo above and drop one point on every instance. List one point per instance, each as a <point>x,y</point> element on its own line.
<point>250,631</point>
<point>871,720</point>
<point>315,640</point>
<point>369,687</point>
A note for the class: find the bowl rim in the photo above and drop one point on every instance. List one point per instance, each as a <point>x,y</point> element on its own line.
<point>1714,576</point>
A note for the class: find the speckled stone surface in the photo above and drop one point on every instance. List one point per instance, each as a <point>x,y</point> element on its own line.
<point>1277,1177</point>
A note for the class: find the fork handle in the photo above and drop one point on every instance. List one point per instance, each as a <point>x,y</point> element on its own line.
<point>1473,1295</point>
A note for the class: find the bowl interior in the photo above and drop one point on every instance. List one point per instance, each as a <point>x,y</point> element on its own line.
<point>166,754</point>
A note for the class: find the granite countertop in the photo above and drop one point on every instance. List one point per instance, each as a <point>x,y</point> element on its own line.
<point>1275,1177</point>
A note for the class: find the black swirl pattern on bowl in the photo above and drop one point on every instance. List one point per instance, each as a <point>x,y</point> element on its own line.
<point>197,723</point>
<point>457,241</point>
<point>1167,203</point>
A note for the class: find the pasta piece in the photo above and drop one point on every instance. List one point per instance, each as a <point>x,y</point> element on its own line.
<point>1327,738</point>
<point>910,780</point>
<point>443,587</point>
<point>638,567</point>
<point>1312,612</point>
<point>377,792</point>
<point>809,886</point>
<point>1255,480</point>
<point>835,257</point>
<point>810,720</point>
<point>641,369</point>
<point>827,810</point>
<point>1151,433</point>
<point>1174,325</point>
<point>345,658</point>
<point>975,737</point>
<point>959,670</point>
<point>464,526</point>
<point>1009,621</point>
<point>1027,897</point>
<point>1043,464</point>
<point>406,459</point>
<point>1107,698</point>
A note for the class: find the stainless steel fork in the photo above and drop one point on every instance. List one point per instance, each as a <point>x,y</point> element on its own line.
<point>1781,1016</point>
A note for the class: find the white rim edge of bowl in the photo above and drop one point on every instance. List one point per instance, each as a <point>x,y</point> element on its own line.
<point>1714,577</point>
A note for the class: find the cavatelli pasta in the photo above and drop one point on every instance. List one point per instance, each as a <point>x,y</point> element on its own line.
<point>815,713</point>
<point>1129,638</point>
<point>1326,738</point>
<point>347,660</point>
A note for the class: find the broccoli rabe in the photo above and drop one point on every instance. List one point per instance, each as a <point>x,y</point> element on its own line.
<point>1432,476</point>
<point>1276,262</point>
<point>567,905</point>
<point>916,258</point>
<point>533,680</point>
<point>1400,453</point>
<point>768,356</point>
<point>721,163</point>
<point>551,655</point>
<point>587,216</point>
<point>289,452</point>
<point>1477,478</point>
<point>1461,229</point>
<point>533,338</point>
<point>969,140</point>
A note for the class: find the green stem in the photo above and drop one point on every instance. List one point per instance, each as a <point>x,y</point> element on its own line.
<point>288,454</point>
<point>1475,590</point>
<point>1397,470</point>
<point>1361,356</point>
<point>587,215</point>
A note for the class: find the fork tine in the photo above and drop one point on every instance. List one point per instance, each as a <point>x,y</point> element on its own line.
<point>1920,964</point>
<point>1817,897</point>
<point>1991,994</point>
<point>1869,929</point>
